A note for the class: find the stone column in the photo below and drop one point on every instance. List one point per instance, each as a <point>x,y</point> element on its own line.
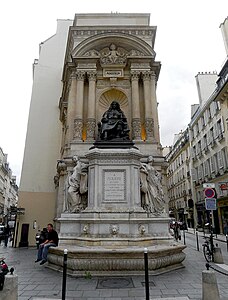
<point>78,120</point>
<point>154,107</point>
<point>149,122</point>
<point>136,122</point>
<point>91,119</point>
<point>71,91</point>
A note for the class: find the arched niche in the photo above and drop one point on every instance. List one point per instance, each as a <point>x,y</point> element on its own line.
<point>106,99</point>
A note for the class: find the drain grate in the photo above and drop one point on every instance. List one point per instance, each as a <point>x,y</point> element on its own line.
<point>115,283</point>
<point>151,283</point>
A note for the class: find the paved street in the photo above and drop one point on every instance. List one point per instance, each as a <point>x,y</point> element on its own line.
<point>37,281</point>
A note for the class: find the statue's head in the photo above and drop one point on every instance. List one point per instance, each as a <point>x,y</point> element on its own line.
<point>112,47</point>
<point>150,159</point>
<point>75,158</point>
<point>115,105</point>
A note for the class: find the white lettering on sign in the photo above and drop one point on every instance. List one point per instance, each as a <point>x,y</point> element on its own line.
<point>114,186</point>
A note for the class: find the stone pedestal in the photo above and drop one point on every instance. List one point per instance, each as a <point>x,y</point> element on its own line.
<point>111,233</point>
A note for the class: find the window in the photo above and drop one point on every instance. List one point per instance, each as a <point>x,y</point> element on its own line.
<point>211,135</point>
<point>225,157</point>
<point>220,128</point>
<point>200,172</point>
<point>206,168</point>
<point>212,164</point>
<point>220,159</point>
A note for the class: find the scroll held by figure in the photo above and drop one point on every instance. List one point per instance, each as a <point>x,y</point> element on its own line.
<point>113,125</point>
<point>77,187</point>
<point>151,188</point>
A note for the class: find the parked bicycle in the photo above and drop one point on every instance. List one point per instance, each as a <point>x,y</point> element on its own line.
<point>208,248</point>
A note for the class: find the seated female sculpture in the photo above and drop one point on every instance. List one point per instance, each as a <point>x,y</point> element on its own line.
<point>113,124</point>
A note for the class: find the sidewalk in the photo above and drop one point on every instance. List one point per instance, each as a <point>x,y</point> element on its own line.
<point>38,282</point>
<point>218,237</point>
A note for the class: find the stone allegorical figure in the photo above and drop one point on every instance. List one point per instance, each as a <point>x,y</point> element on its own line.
<point>113,56</point>
<point>113,124</point>
<point>151,188</point>
<point>77,187</point>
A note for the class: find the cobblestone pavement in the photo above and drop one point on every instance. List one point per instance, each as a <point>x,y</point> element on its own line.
<point>37,281</point>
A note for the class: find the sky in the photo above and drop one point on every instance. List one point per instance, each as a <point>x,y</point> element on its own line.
<point>188,41</point>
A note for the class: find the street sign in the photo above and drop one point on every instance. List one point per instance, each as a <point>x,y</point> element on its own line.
<point>209,193</point>
<point>210,204</point>
<point>223,186</point>
<point>208,185</point>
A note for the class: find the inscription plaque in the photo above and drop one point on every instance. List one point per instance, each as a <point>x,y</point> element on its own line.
<point>113,73</point>
<point>114,186</point>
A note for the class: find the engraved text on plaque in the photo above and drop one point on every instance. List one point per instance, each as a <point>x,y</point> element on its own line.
<point>114,185</point>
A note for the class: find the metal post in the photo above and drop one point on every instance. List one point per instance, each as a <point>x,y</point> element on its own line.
<point>226,242</point>
<point>197,241</point>
<point>146,274</point>
<point>64,274</point>
<point>184,236</point>
<point>211,239</point>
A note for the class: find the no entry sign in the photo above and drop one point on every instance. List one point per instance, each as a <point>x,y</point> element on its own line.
<point>209,193</point>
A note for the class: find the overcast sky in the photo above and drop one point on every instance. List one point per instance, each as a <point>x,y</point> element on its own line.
<point>188,41</point>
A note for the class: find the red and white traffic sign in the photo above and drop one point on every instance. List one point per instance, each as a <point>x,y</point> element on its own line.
<point>209,193</point>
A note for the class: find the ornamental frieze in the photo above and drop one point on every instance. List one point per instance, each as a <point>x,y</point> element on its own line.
<point>86,33</point>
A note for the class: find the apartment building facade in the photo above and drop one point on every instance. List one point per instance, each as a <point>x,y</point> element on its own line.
<point>208,152</point>
<point>8,187</point>
<point>179,181</point>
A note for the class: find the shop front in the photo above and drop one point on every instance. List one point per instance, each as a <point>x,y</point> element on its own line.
<point>223,213</point>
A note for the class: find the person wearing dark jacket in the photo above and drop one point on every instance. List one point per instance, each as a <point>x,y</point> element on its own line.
<point>51,241</point>
<point>6,233</point>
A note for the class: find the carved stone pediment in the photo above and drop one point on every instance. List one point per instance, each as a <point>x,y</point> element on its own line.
<point>113,55</point>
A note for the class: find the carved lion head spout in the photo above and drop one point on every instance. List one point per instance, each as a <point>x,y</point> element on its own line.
<point>114,229</point>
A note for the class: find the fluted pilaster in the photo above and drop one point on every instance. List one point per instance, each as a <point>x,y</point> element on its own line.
<point>154,107</point>
<point>136,123</point>
<point>78,121</point>
<point>91,120</point>
<point>149,121</point>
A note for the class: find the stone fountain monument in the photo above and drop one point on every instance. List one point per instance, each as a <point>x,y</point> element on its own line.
<point>114,206</point>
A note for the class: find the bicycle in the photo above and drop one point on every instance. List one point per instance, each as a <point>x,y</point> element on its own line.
<point>208,248</point>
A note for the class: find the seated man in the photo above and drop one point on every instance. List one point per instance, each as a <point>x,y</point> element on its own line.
<point>113,124</point>
<point>52,241</point>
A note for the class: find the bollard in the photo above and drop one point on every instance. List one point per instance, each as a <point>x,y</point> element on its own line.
<point>10,289</point>
<point>146,274</point>
<point>209,286</point>
<point>226,242</point>
<point>64,274</point>
<point>184,236</point>
<point>218,256</point>
<point>197,241</point>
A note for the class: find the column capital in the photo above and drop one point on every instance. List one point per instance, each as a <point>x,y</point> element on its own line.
<point>135,75</point>
<point>146,75</point>
<point>80,75</point>
<point>92,75</point>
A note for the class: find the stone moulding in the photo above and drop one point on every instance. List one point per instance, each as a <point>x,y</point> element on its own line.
<point>104,261</point>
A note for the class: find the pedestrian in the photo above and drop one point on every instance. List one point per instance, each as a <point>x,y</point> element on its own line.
<point>6,233</point>
<point>51,241</point>
<point>176,229</point>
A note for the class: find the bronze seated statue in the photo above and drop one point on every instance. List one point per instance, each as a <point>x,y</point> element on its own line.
<point>113,125</point>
